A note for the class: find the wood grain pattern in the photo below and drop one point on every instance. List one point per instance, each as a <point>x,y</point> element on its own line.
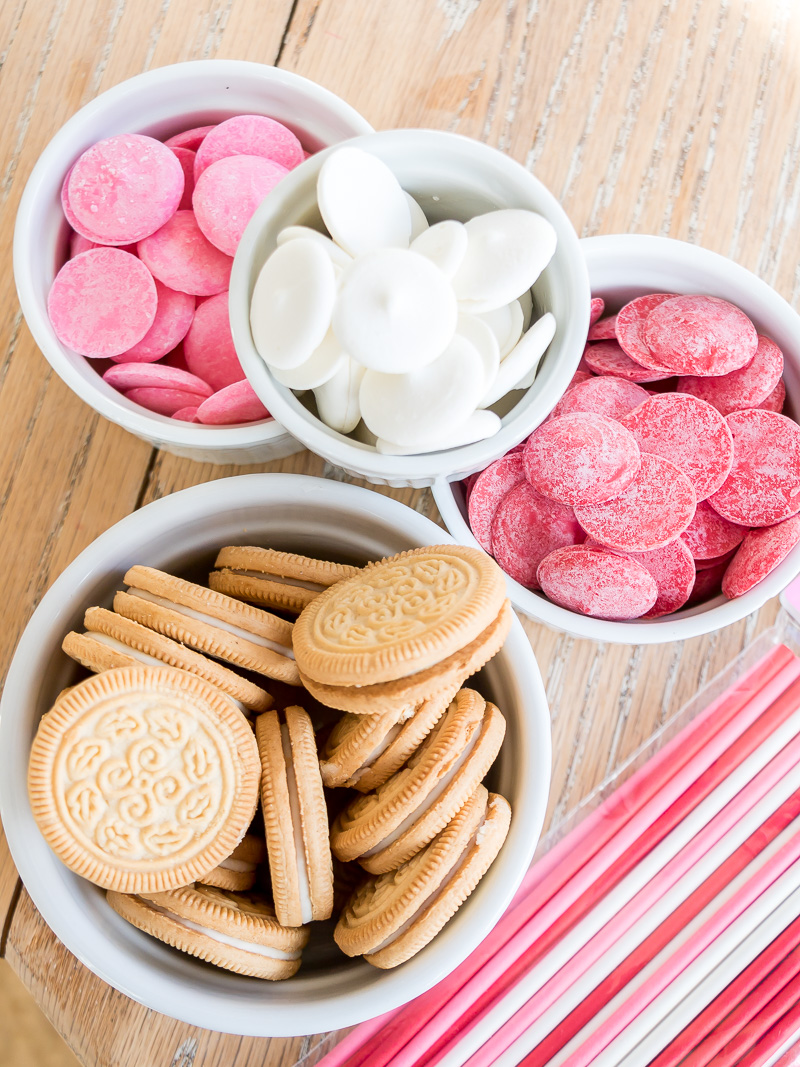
<point>676,117</point>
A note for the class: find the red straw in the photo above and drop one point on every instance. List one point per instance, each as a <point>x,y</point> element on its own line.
<point>640,836</point>
<point>776,1037</point>
<point>791,1057</point>
<point>555,869</point>
<point>353,1041</point>
<point>652,945</point>
<point>778,991</point>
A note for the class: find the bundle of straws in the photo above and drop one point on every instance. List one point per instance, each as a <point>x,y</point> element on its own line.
<point>664,929</point>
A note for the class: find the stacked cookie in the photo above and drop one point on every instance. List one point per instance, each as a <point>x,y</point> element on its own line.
<point>145,778</point>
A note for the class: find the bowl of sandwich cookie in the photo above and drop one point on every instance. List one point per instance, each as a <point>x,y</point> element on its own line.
<point>274,757</point>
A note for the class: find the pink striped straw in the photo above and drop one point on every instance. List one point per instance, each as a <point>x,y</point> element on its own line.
<point>681,959</point>
<point>353,1041</point>
<point>594,878</point>
<point>775,670</point>
<point>774,1001</point>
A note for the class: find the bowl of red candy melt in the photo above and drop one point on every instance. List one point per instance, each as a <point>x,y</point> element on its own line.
<point>661,498</point>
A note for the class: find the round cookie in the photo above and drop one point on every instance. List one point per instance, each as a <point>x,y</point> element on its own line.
<point>280,580</point>
<point>385,828</point>
<point>398,616</point>
<point>391,697</point>
<point>141,779</point>
<point>295,817</point>
<point>209,622</point>
<point>236,931</point>
<point>237,873</point>
<point>364,751</point>
<point>114,641</point>
<point>390,918</point>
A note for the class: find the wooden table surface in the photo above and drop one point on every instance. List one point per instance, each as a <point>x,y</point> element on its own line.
<point>673,117</point>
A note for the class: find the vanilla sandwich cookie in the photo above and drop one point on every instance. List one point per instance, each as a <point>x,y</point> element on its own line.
<point>295,817</point>
<point>210,622</point>
<point>274,579</point>
<point>237,873</point>
<point>390,918</point>
<point>364,751</point>
<point>387,698</point>
<point>385,828</point>
<point>112,640</point>
<point>236,931</point>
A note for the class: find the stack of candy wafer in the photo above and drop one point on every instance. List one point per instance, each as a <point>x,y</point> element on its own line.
<point>146,777</point>
<point>664,929</point>
<point>154,229</point>
<point>633,503</point>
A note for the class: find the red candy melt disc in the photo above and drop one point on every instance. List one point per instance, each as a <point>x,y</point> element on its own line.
<point>630,325</point>
<point>673,569</point>
<point>602,329</point>
<point>689,433</point>
<point>656,507</point>
<point>581,459</point>
<point>607,357</point>
<point>760,552</point>
<point>700,335</point>
<point>763,486</point>
<point>596,309</point>
<point>776,399</point>
<point>594,582</point>
<point>707,583</point>
<point>612,397</point>
<point>741,389</point>
<point>709,536</point>
<point>527,527</point>
<point>490,487</point>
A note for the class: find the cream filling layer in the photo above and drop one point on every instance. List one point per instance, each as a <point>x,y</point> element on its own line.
<point>377,751</point>
<point>220,624</point>
<point>476,839</point>
<point>224,939</point>
<point>238,866</point>
<point>145,657</point>
<point>427,802</point>
<point>281,580</point>
<point>303,885</point>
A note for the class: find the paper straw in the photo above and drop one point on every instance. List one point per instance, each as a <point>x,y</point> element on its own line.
<point>575,981</point>
<point>591,1005</point>
<point>692,1036</point>
<point>775,1001</point>
<point>788,1055</point>
<point>353,1041</point>
<point>758,687</point>
<point>709,768</point>
<point>652,1026</point>
<point>787,1026</point>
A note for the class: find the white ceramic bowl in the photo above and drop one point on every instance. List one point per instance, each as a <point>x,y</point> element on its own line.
<point>622,266</point>
<point>451,177</point>
<point>182,532</point>
<point>160,103</point>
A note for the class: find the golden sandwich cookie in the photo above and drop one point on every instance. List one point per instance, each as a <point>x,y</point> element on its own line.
<point>111,640</point>
<point>398,617</point>
<point>237,931</point>
<point>210,622</point>
<point>281,580</point>
<point>385,828</point>
<point>391,698</point>
<point>143,779</point>
<point>295,817</point>
<point>364,751</point>
<point>238,872</point>
<point>390,918</point>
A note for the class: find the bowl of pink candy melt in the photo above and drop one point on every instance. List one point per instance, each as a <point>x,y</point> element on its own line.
<point>125,239</point>
<point>661,497</point>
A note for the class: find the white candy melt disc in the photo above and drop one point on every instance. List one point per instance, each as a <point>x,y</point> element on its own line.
<point>506,323</point>
<point>419,222</point>
<point>479,334</point>
<point>426,403</point>
<point>362,203</point>
<point>337,399</point>
<point>479,426</point>
<point>292,303</point>
<point>445,244</point>
<point>291,233</point>
<point>395,311</point>
<point>506,252</point>
<point>522,361</point>
<point>319,368</point>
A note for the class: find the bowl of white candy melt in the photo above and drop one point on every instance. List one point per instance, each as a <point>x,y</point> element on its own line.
<point>410,304</point>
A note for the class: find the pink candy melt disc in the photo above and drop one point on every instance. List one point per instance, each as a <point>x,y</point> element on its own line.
<point>603,329</point>
<point>249,135</point>
<point>630,326</point>
<point>180,256</point>
<point>709,536</point>
<point>490,486</point>
<point>148,375</point>
<point>208,346</point>
<point>228,192</point>
<point>527,527</point>
<point>608,357</point>
<point>741,389</point>
<point>760,552</point>
<point>233,404</point>
<point>174,314</point>
<point>612,397</point>
<point>700,335</point>
<point>594,582</point>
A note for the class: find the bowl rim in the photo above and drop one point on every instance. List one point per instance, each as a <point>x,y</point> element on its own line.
<point>702,618</point>
<point>355,456</point>
<point>40,870</point>
<point>101,397</point>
